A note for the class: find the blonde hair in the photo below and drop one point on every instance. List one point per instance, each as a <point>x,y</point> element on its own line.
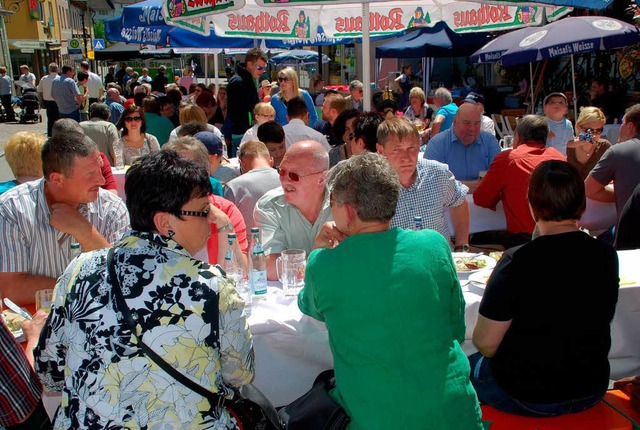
<point>24,153</point>
<point>417,92</point>
<point>192,112</point>
<point>290,73</point>
<point>187,70</point>
<point>396,126</point>
<point>589,114</point>
<point>253,148</point>
<point>263,108</point>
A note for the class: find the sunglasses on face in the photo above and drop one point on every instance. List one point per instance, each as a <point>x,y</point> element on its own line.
<point>133,118</point>
<point>259,68</point>
<point>285,79</point>
<point>594,130</point>
<point>295,177</point>
<point>201,214</point>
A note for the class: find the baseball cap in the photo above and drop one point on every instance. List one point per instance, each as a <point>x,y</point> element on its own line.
<point>548,98</point>
<point>473,98</point>
<point>211,141</point>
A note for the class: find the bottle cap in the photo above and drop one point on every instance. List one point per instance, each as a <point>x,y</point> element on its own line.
<point>231,235</point>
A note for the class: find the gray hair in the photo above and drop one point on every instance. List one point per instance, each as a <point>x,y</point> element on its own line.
<point>532,127</point>
<point>191,148</point>
<point>443,94</point>
<point>417,92</point>
<point>368,183</point>
<point>53,68</point>
<point>396,126</point>
<point>66,125</point>
<point>356,85</point>
<point>99,110</point>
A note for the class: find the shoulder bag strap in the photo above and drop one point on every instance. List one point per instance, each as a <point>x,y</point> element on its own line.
<point>122,306</point>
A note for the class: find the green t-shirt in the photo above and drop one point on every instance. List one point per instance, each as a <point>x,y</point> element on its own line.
<point>395,313</point>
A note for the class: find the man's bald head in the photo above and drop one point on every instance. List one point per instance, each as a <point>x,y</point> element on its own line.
<point>467,123</point>
<point>310,151</point>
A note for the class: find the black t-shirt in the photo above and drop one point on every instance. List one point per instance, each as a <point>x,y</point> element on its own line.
<point>560,293</point>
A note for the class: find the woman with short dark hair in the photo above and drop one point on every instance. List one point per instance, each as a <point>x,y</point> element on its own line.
<point>134,141</point>
<point>184,310</point>
<point>543,331</point>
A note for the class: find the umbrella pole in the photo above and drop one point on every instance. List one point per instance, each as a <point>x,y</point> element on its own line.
<point>366,56</point>
<point>206,69</point>
<point>216,78</point>
<point>575,99</point>
<point>533,102</point>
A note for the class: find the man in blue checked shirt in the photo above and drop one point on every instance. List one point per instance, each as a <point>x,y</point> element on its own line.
<point>428,187</point>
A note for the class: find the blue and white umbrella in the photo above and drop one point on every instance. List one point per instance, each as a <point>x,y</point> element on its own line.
<point>297,57</point>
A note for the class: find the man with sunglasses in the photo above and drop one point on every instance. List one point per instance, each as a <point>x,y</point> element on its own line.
<point>40,220</point>
<point>292,215</point>
<point>242,95</point>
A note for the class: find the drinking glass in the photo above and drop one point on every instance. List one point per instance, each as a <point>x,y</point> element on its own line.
<point>44,299</point>
<point>290,267</point>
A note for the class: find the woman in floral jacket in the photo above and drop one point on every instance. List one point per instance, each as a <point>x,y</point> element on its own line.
<point>87,350</point>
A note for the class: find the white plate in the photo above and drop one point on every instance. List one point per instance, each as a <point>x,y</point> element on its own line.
<point>480,278</point>
<point>490,262</point>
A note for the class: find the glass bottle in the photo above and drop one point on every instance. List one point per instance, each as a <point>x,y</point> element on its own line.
<point>258,275</point>
<point>234,268</point>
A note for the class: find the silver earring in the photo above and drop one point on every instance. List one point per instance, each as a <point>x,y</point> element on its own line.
<point>171,233</point>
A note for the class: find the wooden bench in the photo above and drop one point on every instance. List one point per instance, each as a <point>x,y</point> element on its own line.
<point>599,417</point>
<point>619,401</point>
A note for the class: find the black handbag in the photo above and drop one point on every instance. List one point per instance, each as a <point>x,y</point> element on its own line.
<point>251,409</point>
<point>316,409</point>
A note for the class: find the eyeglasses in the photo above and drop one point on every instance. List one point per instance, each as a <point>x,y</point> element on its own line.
<point>201,214</point>
<point>265,115</point>
<point>259,68</point>
<point>132,118</point>
<point>295,177</point>
<point>594,130</point>
<point>285,79</point>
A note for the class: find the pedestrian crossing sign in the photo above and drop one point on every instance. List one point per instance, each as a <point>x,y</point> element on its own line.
<point>98,44</point>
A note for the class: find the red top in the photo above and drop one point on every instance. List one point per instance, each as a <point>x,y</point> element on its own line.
<point>109,180</point>
<point>239,227</point>
<point>508,179</point>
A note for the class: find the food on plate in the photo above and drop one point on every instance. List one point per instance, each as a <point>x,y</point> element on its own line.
<point>13,320</point>
<point>464,264</point>
<point>496,254</point>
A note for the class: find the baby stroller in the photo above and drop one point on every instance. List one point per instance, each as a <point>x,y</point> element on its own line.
<point>29,106</point>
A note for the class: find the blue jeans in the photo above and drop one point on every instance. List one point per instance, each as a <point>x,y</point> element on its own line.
<point>492,394</point>
<point>73,115</point>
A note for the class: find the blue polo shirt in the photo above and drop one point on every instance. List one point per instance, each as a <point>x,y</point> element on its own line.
<point>464,161</point>
<point>448,111</point>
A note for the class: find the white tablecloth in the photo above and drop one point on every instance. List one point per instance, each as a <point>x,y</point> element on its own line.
<point>611,132</point>
<point>291,349</point>
<point>597,217</point>
<point>118,175</point>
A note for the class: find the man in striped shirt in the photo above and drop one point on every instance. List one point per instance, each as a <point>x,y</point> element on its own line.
<point>40,220</point>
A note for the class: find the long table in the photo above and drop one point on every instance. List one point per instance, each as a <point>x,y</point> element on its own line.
<point>597,217</point>
<point>291,349</point>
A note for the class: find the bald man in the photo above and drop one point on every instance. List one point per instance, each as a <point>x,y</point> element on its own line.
<point>290,216</point>
<point>465,148</point>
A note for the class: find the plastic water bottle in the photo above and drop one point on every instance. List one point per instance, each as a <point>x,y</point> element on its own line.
<point>233,266</point>
<point>258,275</point>
<point>417,223</point>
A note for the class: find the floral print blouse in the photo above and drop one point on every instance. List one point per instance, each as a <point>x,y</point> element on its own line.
<point>87,351</point>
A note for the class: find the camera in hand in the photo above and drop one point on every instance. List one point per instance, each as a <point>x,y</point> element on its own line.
<point>585,135</point>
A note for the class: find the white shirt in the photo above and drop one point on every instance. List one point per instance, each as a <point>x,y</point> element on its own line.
<point>94,84</point>
<point>297,131</point>
<point>44,86</point>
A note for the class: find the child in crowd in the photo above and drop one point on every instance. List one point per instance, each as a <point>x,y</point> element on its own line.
<point>560,128</point>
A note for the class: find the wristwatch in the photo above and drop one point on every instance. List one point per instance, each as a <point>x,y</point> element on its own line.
<point>462,248</point>
<point>227,226</point>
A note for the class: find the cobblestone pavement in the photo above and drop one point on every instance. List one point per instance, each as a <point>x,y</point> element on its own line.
<point>6,130</point>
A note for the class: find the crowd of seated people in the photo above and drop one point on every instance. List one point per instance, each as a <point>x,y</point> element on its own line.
<point>346,189</point>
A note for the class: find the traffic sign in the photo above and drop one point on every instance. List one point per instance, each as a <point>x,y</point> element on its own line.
<point>98,44</point>
<point>74,43</point>
<point>91,55</point>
